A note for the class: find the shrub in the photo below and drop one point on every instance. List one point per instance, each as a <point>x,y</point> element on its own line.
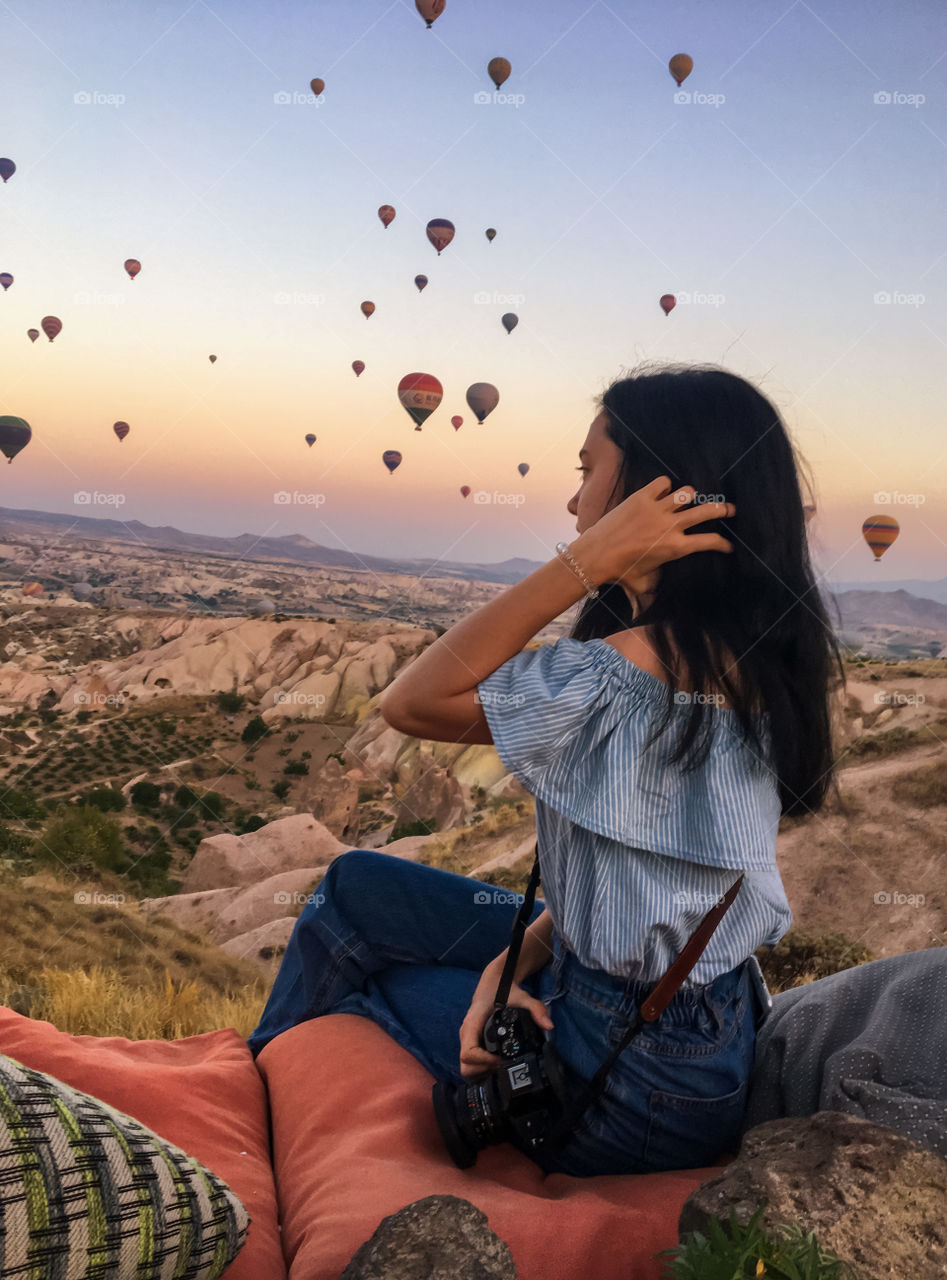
<point>256,729</point>
<point>83,835</point>
<point>253,823</point>
<point>424,827</point>
<point>296,768</point>
<point>281,789</point>
<point>146,795</point>
<point>231,702</point>
<point>926,786</point>
<point>107,799</point>
<point>185,797</point>
<point>212,806</point>
<point>22,805</point>
<point>83,717</point>
<point>12,843</point>
<point>336,755</point>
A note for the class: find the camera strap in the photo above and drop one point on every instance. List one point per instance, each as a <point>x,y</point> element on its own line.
<point>648,1011</point>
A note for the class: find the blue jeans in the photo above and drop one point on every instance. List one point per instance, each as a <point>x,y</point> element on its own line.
<point>405,945</point>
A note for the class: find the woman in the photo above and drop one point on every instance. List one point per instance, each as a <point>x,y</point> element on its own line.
<point>662,741</point>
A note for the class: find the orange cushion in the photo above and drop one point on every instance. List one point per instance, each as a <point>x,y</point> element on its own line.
<point>202,1093</point>
<point>354,1139</point>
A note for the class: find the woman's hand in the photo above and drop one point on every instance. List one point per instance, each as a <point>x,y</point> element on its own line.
<point>631,542</point>
<point>474,1059</point>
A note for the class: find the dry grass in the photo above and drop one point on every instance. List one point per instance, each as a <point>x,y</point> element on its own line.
<point>465,848</point>
<point>926,786</point>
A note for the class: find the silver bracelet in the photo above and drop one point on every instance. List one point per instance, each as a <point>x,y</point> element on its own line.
<point>562,551</point>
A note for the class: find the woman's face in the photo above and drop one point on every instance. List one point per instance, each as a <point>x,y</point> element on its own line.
<point>600,460</point>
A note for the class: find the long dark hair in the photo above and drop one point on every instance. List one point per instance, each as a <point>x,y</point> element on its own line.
<point>705,427</point>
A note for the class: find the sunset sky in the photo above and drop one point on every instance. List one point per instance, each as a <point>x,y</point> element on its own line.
<point>803,177</point>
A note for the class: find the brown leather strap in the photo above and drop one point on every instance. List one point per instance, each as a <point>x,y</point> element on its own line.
<point>662,995</point>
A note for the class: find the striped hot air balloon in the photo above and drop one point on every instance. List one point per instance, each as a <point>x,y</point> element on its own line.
<point>51,326</point>
<point>420,394</point>
<point>359,367</point>
<point>440,232</point>
<point>420,282</point>
<point>879,532</point>
<point>32,588</point>
<point>32,334</point>
<point>387,214</point>
<point>132,266</point>
<point>6,280</point>
<point>121,429</point>
<point>668,303</point>
<point>392,459</point>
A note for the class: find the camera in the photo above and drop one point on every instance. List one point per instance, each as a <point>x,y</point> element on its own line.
<point>519,1102</point>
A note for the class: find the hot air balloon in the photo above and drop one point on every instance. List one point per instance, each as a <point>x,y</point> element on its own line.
<point>499,70</point>
<point>680,67</point>
<point>420,281</point>
<point>32,588</point>
<point>7,169</point>
<point>317,86</point>
<point>668,303</point>
<point>359,367</point>
<point>879,532</point>
<point>15,434</point>
<point>440,232</point>
<point>6,280</point>
<point>212,359</point>
<point>368,309</point>
<point>387,215</point>
<point>523,468</point>
<point>465,490</point>
<point>121,429</point>
<point>132,266</point>
<point>420,394</point>
<point>483,398</point>
<point>51,326</point>
<point>32,334</point>
<point>457,422</point>
<point>392,459</point>
<point>509,321</point>
<point>82,590</point>
<point>310,439</point>
<point>491,234</point>
<point>429,10</point>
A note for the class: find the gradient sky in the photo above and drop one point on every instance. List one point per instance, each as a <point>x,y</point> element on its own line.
<point>782,190</point>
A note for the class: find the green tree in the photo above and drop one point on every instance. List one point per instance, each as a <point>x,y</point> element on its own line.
<point>107,799</point>
<point>146,795</point>
<point>20,804</point>
<point>296,768</point>
<point>185,797</point>
<point>256,729</point>
<point>212,806</point>
<point>281,789</point>
<point>231,702</point>
<point>83,835</point>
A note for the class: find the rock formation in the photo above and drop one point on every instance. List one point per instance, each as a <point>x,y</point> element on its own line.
<point>438,1238</point>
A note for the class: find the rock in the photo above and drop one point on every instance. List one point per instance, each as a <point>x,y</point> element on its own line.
<point>437,1238</point>
<point>434,795</point>
<point>872,1196</point>
<point>331,796</point>
<point>297,841</point>
<point>222,914</point>
<point>263,946</point>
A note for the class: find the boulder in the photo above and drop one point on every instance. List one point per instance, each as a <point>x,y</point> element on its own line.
<point>263,946</point>
<point>221,914</point>
<point>869,1194</point>
<point>331,796</point>
<point>434,795</point>
<point>290,843</point>
<point>438,1238</point>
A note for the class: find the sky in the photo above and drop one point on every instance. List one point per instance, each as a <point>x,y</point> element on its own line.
<point>790,194</point>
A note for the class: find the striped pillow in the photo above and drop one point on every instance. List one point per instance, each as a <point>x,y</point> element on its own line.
<point>90,1194</point>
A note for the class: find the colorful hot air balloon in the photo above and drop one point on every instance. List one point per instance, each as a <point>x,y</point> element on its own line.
<point>491,234</point>
<point>212,359</point>
<point>359,367</point>
<point>15,434</point>
<point>7,169</point>
<point>317,86</point>
<point>483,398</point>
<point>457,422</point>
<point>879,532</point>
<point>440,232</point>
<point>387,215</point>
<point>509,321</point>
<point>465,490</point>
<point>392,459</point>
<point>420,281</point>
<point>121,429</point>
<point>499,70</point>
<point>368,309</point>
<point>523,468</point>
<point>429,10</point>
<point>32,334</point>
<point>32,588</point>
<point>132,266</point>
<point>668,303</point>
<point>310,439</point>
<point>680,67</point>
<point>6,280</point>
<point>51,326</point>
<point>420,394</point>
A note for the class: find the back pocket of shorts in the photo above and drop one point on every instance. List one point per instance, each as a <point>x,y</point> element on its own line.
<point>685,1132</point>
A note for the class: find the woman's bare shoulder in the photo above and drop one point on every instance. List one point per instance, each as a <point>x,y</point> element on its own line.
<point>636,645</point>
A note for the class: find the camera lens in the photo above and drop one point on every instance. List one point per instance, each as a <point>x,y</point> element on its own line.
<point>446,1108</point>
